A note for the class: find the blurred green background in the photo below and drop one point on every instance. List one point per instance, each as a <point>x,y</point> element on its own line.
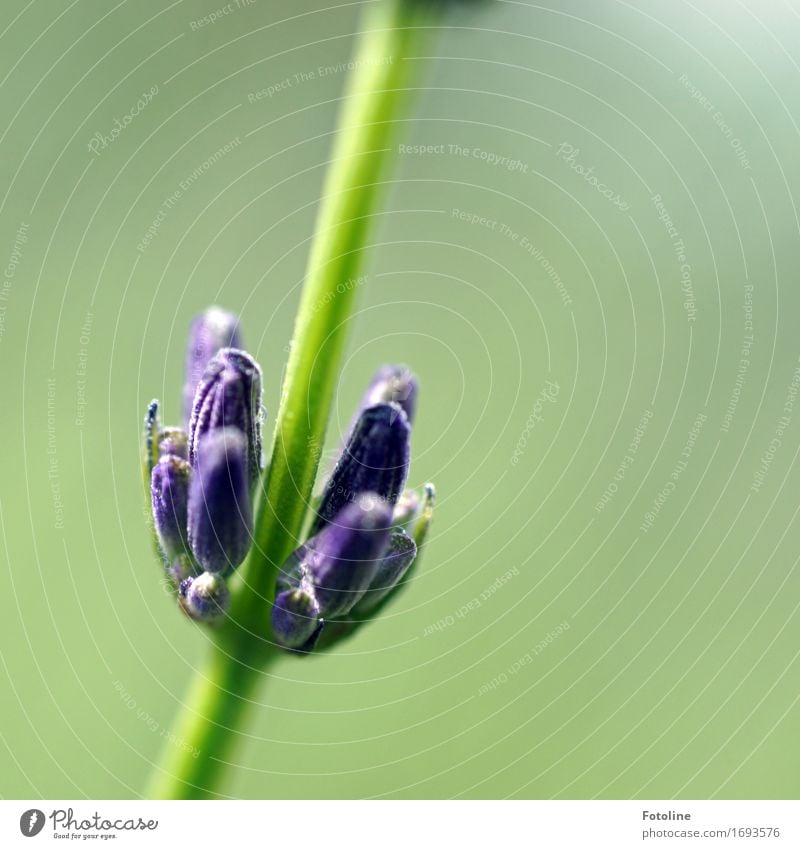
<point>609,204</point>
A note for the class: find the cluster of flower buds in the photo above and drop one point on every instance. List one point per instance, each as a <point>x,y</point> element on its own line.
<point>202,475</point>
<point>366,528</point>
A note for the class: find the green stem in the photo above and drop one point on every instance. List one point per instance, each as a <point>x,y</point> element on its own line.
<point>377,89</point>
<point>202,741</point>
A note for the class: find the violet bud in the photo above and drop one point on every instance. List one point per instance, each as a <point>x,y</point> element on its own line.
<point>174,441</point>
<point>340,561</point>
<point>399,560</point>
<point>204,598</point>
<point>229,395</point>
<point>375,460</point>
<point>210,331</point>
<point>394,564</point>
<point>160,441</point>
<point>296,622</point>
<point>169,490</point>
<point>219,511</point>
<point>393,384</point>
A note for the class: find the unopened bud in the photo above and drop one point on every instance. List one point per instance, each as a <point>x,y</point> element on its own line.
<point>219,513</point>
<point>211,331</point>
<point>204,598</point>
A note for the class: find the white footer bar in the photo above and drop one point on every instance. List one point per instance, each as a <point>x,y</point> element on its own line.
<point>390,824</point>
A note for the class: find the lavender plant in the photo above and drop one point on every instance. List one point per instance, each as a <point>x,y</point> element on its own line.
<point>268,568</point>
<point>202,483</point>
<point>364,533</point>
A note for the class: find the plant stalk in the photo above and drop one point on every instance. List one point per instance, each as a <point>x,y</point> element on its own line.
<point>222,691</point>
<point>377,91</point>
<point>216,707</point>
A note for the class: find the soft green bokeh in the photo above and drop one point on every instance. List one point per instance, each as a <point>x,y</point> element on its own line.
<point>678,673</point>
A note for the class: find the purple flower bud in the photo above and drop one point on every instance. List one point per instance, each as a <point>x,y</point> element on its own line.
<point>393,384</point>
<point>219,512</point>
<point>210,331</point>
<point>396,560</point>
<point>375,460</point>
<point>229,395</point>
<point>400,559</point>
<point>340,561</point>
<point>174,441</point>
<point>169,489</point>
<point>204,598</point>
<point>296,622</point>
